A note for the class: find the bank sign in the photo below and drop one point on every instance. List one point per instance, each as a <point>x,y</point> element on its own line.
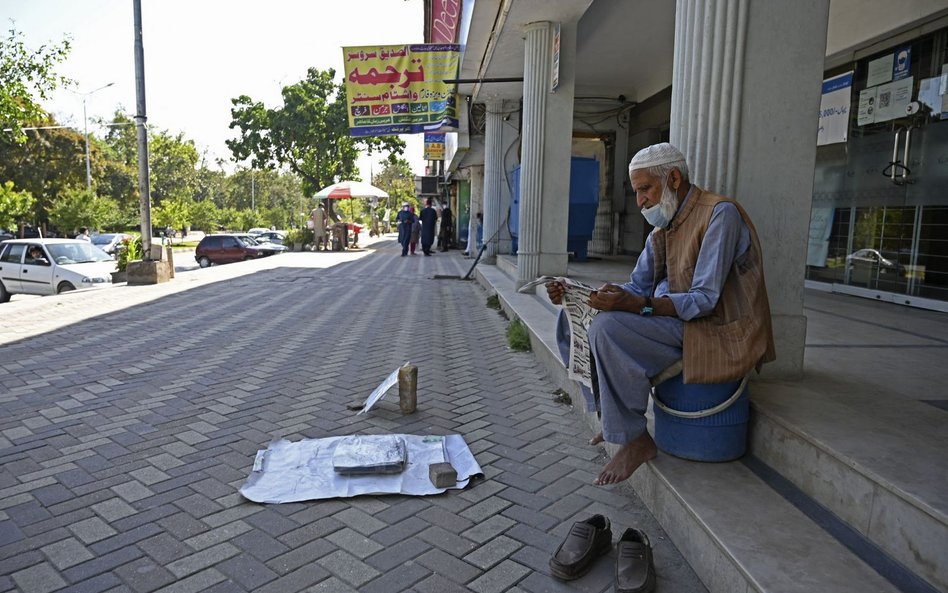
<point>400,89</point>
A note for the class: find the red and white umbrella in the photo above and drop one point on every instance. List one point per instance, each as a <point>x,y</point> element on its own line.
<point>350,189</point>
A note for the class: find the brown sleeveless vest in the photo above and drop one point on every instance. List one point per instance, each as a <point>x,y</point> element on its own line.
<point>737,336</point>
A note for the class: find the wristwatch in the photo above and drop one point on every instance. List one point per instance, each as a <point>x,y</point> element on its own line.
<point>647,310</point>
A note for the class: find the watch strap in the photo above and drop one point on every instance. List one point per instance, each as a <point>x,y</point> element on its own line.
<point>647,309</point>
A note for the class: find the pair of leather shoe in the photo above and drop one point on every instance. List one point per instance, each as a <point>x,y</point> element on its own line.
<point>589,539</point>
<point>635,568</point>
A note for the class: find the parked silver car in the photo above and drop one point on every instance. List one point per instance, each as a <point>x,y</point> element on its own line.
<point>109,242</point>
<point>52,266</point>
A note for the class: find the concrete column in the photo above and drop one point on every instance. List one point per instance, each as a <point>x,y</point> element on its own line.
<point>477,205</point>
<point>746,88</point>
<point>493,176</point>
<point>545,154</point>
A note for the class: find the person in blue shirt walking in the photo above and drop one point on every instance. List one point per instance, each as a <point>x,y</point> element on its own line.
<point>404,220</point>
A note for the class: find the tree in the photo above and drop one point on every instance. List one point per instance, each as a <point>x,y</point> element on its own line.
<point>309,133</point>
<point>397,179</point>
<point>26,78</point>
<point>15,206</point>
<point>205,216</point>
<point>48,162</point>
<point>172,167</point>
<point>174,213</point>
<point>80,207</point>
<point>115,173</point>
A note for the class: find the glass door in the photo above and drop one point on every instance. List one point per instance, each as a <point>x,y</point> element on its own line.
<point>879,220</point>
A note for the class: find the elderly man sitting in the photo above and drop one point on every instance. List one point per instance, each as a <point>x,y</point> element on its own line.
<point>696,294</point>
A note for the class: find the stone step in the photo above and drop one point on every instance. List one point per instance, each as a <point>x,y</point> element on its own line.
<point>735,530</point>
<point>891,496</point>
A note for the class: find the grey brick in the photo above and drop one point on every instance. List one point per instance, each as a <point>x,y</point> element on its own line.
<point>229,515</point>
<point>163,548</point>
<point>500,578</point>
<point>145,575</point>
<point>530,517</point>
<point>360,521</point>
<point>392,556</point>
<point>125,538</point>
<point>217,535</point>
<point>132,491</point>
<point>203,559</point>
<point>331,585</point>
<point>447,541</point>
<point>401,510</point>
<point>113,509</point>
<point>439,584</point>
<point>66,553</point>
<point>310,531</point>
<point>446,519</point>
<point>488,529</point>
<point>195,583</point>
<point>272,522</point>
<point>247,571</point>
<point>101,564</point>
<point>182,525</point>
<point>348,568</point>
<point>445,564</point>
<point>492,552</point>
<point>484,509</point>
<point>355,543</point>
<point>300,556</point>
<point>39,578</point>
<point>92,530</point>
<point>103,583</point>
<point>399,532</point>
<point>261,545</point>
<point>197,505</point>
<point>401,578</point>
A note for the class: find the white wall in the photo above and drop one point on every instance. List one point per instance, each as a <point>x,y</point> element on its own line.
<point>855,23</point>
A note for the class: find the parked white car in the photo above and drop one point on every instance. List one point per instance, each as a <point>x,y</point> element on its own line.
<point>110,242</point>
<point>52,266</point>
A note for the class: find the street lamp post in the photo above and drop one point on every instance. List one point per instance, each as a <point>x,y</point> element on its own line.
<point>86,129</point>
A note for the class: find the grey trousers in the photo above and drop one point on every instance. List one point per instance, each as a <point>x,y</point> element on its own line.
<point>627,349</point>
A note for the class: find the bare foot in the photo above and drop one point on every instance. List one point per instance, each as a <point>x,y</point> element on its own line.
<point>596,439</point>
<point>627,460</point>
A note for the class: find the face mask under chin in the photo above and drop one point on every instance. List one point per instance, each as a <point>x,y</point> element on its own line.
<point>660,214</point>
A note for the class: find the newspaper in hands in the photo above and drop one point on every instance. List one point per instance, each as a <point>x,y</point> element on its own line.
<point>580,315</point>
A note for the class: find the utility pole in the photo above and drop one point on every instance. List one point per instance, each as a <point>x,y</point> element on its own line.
<point>142,133</point>
<point>85,120</point>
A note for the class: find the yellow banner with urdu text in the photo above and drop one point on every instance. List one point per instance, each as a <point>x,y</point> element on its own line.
<point>400,89</point>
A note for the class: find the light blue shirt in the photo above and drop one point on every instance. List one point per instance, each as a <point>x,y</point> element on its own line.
<point>726,238</point>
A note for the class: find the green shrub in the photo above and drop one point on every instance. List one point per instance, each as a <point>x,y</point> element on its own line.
<point>518,338</point>
<point>493,302</point>
<point>130,250</point>
<point>299,237</point>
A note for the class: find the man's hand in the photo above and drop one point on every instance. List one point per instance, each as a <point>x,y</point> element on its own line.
<point>612,297</point>
<point>555,290</point>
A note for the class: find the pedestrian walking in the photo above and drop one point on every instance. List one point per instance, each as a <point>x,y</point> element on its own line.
<point>429,218</point>
<point>84,234</point>
<point>415,230</point>
<point>318,216</point>
<point>447,228</point>
<point>404,220</point>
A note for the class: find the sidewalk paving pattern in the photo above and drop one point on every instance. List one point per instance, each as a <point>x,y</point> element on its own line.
<point>127,430</point>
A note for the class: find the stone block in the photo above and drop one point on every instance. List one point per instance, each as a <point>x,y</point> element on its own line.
<point>442,475</point>
<point>147,272</point>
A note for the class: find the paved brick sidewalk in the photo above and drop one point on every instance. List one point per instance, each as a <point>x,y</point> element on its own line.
<point>126,433</point>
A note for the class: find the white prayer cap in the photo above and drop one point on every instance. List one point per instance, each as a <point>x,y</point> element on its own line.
<point>656,155</point>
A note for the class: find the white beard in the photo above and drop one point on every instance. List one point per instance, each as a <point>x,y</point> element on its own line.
<point>669,202</point>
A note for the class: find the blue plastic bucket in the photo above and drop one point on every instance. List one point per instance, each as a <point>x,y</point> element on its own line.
<point>721,436</point>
